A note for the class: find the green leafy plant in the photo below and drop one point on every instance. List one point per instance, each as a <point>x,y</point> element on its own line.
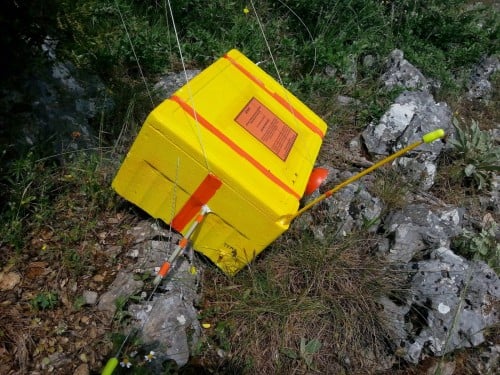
<point>121,313</point>
<point>222,335</point>
<point>481,246</point>
<point>306,352</point>
<point>45,301</point>
<point>477,154</point>
<point>78,303</point>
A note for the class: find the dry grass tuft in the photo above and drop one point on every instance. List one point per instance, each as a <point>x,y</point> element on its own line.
<point>393,190</point>
<point>302,290</point>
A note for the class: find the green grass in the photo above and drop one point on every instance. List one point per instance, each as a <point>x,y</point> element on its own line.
<point>303,305</point>
<point>49,209</point>
<point>440,37</point>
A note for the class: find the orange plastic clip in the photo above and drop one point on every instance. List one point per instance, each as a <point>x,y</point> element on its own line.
<point>164,270</point>
<point>183,242</point>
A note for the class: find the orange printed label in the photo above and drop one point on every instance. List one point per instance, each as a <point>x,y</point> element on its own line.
<point>264,125</point>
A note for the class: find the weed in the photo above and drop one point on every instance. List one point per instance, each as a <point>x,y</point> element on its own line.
<point>476,154</point>
<point>431,31</point>
<point>61,329</point>
<point>78,303</point>
<point>45,301</point>
<point>100,39</point>
<point>121,313</point>
<point>481,246</point>
<point>222,330</point>
<point>135,358</point>
<point>307,350</point>
<point>26,194</point>
<point>76,262</point>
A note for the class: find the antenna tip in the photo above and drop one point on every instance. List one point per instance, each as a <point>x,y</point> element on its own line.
<point>110,366</point>
<point>433,135</point>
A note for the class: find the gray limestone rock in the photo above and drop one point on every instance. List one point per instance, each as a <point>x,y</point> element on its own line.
<point>90,297</point>
<point>350,73</point>
<point>147,230</point>
<point>349,208</point>
<point>491,201</point>
<point>412,115</point>
<point>124,285</point>
<point>171,82</point>
<point>401,73</point>
<point>368,61</point>
<point>346,101</point>
<point>417,228</point>
<point>489,360</point>
<point>396,313</point>
<point>479,85</point>
<point>451,302</point>
<point>152,244</point>
<point>419,173</point>
<point>168,323</point>
<point>56,104</point>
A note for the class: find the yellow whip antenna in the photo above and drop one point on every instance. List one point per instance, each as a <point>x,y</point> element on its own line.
<point>427,138</point>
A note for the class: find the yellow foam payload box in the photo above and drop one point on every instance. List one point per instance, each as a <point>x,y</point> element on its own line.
<point>234,139</point>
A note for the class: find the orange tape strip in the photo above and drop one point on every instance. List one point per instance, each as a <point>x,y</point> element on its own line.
<point>201,196</point>
<point>164,269</point>
<point>207,125</point>
<point>277,97</point>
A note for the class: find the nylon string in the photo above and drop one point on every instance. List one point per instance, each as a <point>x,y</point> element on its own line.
<point>191,98</point>
<point>133,51</point>
<point>268,46</point>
